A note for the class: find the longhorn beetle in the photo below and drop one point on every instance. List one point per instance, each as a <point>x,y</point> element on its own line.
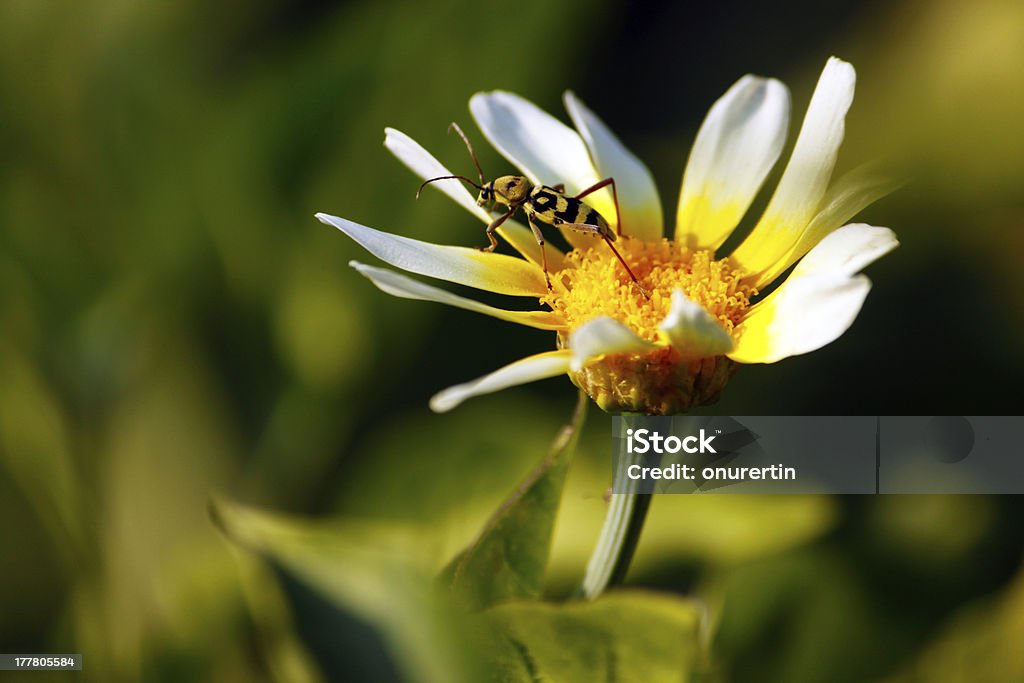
<point>542,204</point>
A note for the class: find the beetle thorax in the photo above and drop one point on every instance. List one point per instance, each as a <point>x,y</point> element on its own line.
<point>511,189</point>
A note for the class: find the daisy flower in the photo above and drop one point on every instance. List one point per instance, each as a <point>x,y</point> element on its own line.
<point>707,312</point>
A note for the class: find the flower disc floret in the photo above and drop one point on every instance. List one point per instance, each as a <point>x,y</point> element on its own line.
<point>662,380</point>
<point>594,284</point>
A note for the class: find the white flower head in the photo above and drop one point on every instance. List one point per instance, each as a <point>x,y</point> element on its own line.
<point>676,348</point>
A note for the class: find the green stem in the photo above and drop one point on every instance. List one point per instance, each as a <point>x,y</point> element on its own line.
<point>623,523</point>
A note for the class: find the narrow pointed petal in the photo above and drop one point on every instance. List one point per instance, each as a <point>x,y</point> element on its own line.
<point>848,197</point>
<point>546,150</point>
<point>803,315</point>
<point>639,205</point>
<point>492,272</point>
<point>529,369</point>
<point>424,165</point>
<point>602,336</point>
<point>693,331</point>
<point>819,300</point>
<point>405,287</point>
<point>736,147</point>
<point>800,191</point>
<point>848,250</point>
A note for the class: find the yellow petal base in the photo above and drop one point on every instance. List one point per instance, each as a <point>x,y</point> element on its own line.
<point>659,382</point>
<point>654,383</point>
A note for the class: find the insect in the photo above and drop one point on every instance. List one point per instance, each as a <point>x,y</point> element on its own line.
<point>542,204</point>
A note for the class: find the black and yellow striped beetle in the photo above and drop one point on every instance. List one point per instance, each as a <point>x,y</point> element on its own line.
<point>542,204</point>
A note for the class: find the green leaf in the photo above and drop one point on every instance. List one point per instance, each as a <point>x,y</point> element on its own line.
<point>35,449</point>
<point>509,558</point>
<point>449,472</point>
<point>369,608</point>
<point>622,636</point>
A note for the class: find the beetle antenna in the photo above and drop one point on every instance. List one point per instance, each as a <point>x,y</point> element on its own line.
<point>476,162</point>
<point>446,177</point>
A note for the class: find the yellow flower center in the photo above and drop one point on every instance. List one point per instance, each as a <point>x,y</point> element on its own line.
<point>593,283</point>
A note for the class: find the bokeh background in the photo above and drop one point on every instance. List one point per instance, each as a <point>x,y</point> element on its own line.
<point>174,322</point>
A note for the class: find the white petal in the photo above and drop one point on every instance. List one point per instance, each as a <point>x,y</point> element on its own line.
<point>424,165</point>
<point>736,147</point>
<point>472,267</point>
<point>802,315</point>
<point>529,369</point>
<point>405,287</point>
<point>847,250</point>
<point>818,301</point>
<point>639,205</point>
<point>845,199</point>
<point>803,184</point>
<point>546,150</point>
<point>693,331</point>
<point>600,336</point>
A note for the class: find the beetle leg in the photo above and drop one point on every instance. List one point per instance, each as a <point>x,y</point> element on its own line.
<point>615,195</point>
<point>495,224</point>
<point>626,266</point>
<point>543,252</point>
<point>594,230</point>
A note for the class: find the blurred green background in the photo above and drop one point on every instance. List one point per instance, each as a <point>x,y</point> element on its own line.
<point>174,322</point>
